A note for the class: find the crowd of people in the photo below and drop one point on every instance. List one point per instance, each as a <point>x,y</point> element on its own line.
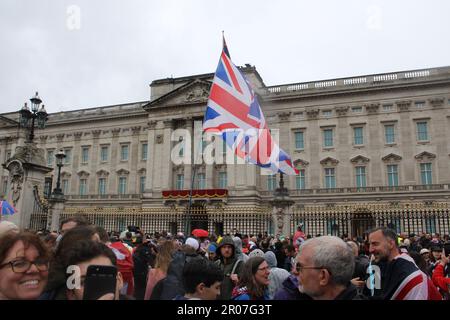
<point>382,265</point>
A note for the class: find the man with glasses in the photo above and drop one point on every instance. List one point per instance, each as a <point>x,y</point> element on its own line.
<point>325,267</point>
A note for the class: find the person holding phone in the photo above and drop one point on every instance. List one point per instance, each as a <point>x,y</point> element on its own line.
<point>439,273</point>
<point>98,275</point>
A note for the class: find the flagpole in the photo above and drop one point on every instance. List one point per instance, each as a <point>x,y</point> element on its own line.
<point>194,171</point>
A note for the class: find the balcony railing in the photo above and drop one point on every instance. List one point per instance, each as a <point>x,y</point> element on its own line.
<point>265,193</point>
<point>377,189</point>
<point>102,196</point>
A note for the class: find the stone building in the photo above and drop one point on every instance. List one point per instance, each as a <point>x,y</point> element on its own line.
<point>372,150</point>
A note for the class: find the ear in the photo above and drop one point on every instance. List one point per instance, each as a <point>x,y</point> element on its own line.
<point>324,277</point>
<point>200,288</point>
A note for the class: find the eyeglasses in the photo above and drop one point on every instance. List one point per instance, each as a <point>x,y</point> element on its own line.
<point>22,266</point>
<point>299,268</point>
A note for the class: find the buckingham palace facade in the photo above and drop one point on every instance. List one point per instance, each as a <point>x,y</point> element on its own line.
<point>371,150</point>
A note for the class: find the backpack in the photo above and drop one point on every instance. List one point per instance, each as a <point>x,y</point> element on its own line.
<point>172,284</point>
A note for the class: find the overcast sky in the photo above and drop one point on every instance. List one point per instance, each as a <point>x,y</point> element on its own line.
<point>84,54</point>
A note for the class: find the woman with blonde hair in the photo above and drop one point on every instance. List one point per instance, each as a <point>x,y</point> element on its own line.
<point>159,272</point>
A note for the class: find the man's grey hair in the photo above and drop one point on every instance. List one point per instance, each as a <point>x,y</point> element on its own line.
<point>333,254</point>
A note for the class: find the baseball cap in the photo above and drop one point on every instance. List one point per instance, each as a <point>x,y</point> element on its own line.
<point>424,251</point>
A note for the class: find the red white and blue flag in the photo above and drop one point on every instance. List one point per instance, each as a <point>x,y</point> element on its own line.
<point>6,208</point>
<point>234,112</point>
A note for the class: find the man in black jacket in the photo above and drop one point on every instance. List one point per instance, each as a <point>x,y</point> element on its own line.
<point>230,266</point>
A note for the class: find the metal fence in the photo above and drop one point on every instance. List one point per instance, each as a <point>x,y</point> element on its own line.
<point>357,221</point>
<point>38,218</point>
<point>353,220</point>
<point>220,220</point>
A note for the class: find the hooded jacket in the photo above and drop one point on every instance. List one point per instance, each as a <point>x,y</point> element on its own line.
<point>227,284</point>
<point>276,276</point>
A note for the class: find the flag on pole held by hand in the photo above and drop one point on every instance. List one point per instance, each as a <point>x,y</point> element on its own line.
<point>6,208</point>
<point>233,111</point>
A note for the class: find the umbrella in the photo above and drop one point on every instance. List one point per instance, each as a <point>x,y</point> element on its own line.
<point>6,208</point>
<point>200,233</point>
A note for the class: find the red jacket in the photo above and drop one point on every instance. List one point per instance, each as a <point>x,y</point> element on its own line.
<point>439,278</point>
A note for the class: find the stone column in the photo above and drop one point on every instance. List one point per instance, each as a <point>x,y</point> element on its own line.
<point>94,161</point>
<point>151,159</point>
<point>115,151</point>
<point>166,177</point>
<point>26,170</point>
<point>135,158</point>
<point>56,208</point>
<point>281,210</point>
<point>188,167</point>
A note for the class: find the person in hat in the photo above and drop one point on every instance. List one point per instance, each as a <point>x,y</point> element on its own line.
<point>211,252</point>
<point>7,227</point>
<point>425,253</point>
<point>230,265</point>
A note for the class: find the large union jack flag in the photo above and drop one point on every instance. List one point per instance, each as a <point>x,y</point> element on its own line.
<point>233,111</point>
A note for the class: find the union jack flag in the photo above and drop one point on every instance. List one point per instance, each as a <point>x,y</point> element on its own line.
<point>234,112</point>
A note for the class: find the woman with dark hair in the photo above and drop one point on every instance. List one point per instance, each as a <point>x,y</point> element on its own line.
<point>254,281</point>
<point>24,260</point>
<point>56,287</point>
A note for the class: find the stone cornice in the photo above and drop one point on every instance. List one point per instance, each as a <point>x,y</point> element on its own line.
<point>329,160</point>
<point>359,158</point>
<point>391,157</point>
<point>96,133</point>
<point>60,137</point>
<point>437,101</point>
<point>403,105</point>
<point>115,132</point>
<point>425,155</point>
<point>341,111</point>
<point>372,108</point>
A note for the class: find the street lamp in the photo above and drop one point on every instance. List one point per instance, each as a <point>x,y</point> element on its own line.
<point>60,155</point>
<point>28,117</point>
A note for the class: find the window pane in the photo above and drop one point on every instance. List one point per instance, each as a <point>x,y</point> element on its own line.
<point>330,180</point>
<point>422,131</point>
<point>426,173</point>
<point>65,186</point>
<point>389,133</point>
<point>392,175</point>
<point>102,186</point>
<point>84,155</point>
<point>142,184</point>
<point>328,138</point>
<point>50,157</point>
<point>104,154</point>
<point>144,151</point>
<point>68,158</point>
<point>124,153</point>
<point>83,185</point>
<point>222,180</point>
<point>271,182</point>
<point>300,180</point>
<point>122,185</point>
<point>201,181</point>
<point>299,143</point>
<point>360,177</point>
<point>180,182</point>
<point>358,135</point>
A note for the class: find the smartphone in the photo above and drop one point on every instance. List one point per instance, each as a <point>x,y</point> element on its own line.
<point>447,249</point>
<point>99,281</point>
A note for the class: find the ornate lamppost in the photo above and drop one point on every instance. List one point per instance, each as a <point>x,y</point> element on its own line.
<point>60,155</point>
<point>29,117</point>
